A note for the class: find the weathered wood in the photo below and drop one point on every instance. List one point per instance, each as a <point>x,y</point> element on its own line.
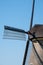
<point>33,57</point>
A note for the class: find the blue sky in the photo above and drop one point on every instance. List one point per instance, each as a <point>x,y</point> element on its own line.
<point>17,13</point>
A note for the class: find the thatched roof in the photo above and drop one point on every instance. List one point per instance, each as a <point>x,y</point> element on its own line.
<point>37,30</point>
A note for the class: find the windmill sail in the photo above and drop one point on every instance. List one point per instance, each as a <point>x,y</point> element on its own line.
<point>14,33</point>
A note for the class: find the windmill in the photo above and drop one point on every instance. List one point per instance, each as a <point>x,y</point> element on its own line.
<point>15,33</point>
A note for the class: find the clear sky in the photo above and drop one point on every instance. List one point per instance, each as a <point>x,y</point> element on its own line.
<point>17,13</point>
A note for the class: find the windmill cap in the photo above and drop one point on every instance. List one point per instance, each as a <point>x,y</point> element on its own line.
<point>37,30</point>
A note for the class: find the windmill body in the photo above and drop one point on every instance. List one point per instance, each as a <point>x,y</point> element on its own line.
<point>36,57</point>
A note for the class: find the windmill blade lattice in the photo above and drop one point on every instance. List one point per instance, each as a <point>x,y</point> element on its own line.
<point>14,33</point>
